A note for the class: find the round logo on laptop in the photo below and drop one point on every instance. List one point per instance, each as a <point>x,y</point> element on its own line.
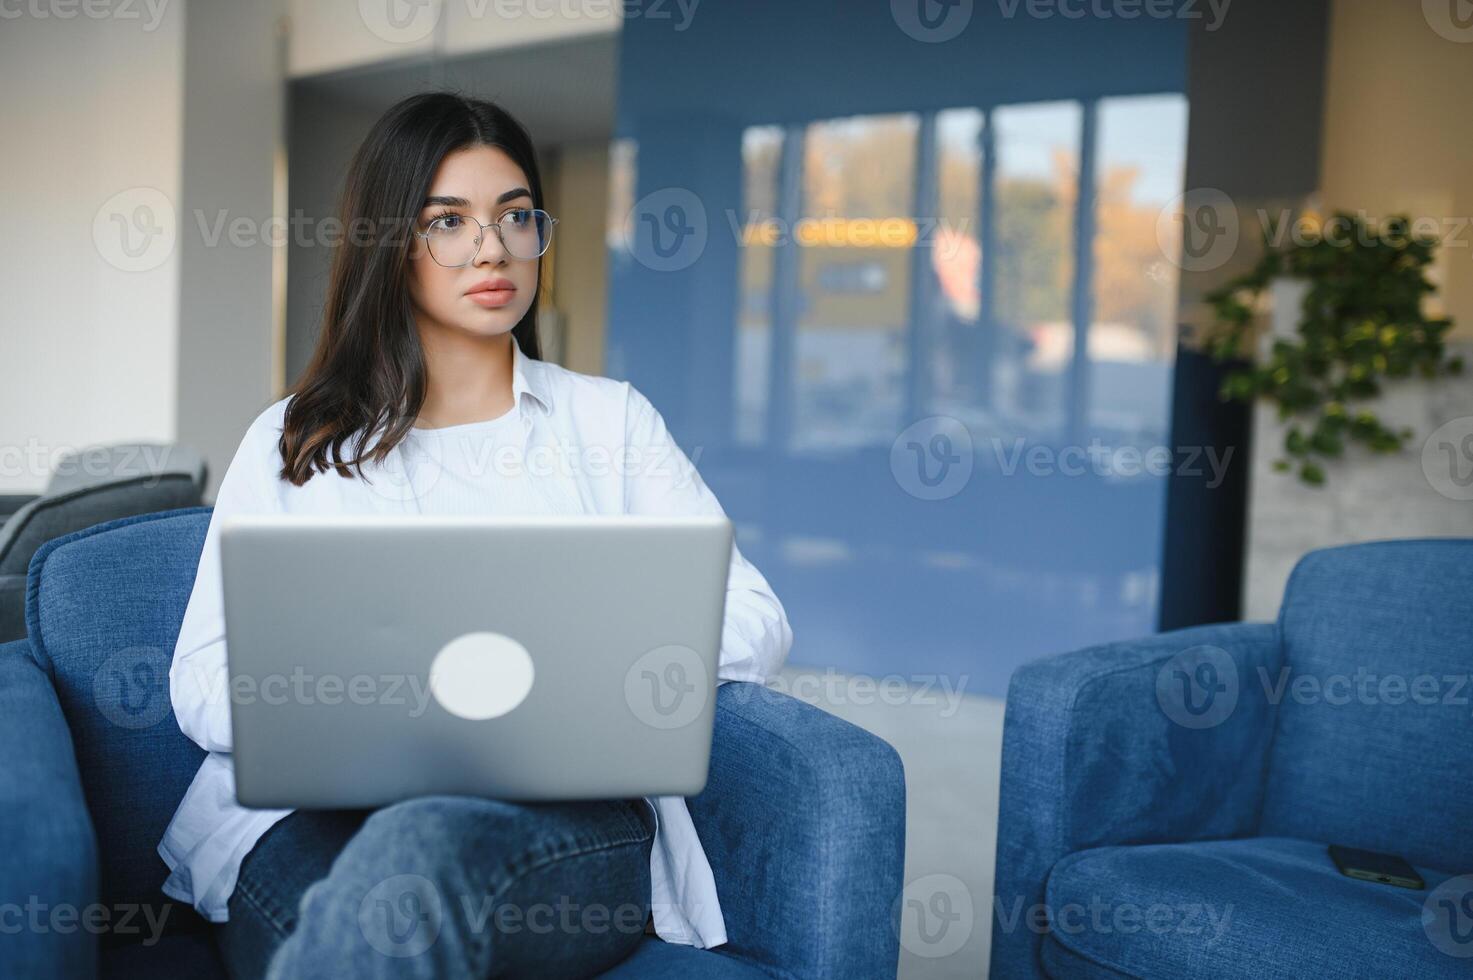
<point>481,675</point>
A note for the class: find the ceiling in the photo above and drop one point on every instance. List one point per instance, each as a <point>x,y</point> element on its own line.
<point>562,90</point>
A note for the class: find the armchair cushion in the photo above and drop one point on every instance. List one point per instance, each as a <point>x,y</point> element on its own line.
<point>179,954</point>
<point>1260,907</point>
<point>1375,701</point>
<point>655,959</point>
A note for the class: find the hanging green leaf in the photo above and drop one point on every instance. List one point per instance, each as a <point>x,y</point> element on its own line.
<point>1361,322</point>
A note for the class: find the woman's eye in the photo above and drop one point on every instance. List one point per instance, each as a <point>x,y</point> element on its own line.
<point>521,216</point>
<point>449,222</point>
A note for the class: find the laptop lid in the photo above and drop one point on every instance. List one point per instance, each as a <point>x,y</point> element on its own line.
<point>376,658</point>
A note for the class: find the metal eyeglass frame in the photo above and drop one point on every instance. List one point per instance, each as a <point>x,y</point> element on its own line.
<point>481,238</point>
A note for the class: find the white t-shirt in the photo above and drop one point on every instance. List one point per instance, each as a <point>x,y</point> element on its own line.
<point>496,466</point>
<point>468,469</point>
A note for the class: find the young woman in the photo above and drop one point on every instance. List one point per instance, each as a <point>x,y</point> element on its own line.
<point>427,394</point>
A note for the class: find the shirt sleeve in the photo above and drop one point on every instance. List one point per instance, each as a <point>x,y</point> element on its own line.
<point>755,635</point>
<point>199,681</point>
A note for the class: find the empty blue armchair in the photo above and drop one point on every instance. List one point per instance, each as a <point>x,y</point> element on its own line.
<point>1167,803</point>
<point>802,818</point>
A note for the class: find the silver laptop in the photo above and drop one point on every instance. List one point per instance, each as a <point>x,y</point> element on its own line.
<point>375,658</point>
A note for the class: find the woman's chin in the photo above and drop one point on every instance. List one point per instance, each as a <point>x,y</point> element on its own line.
<point>488,323</point>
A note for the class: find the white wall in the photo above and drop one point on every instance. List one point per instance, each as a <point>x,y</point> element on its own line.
<point>92,124</point>
<point>1396,129</point>
<point>122,321</point>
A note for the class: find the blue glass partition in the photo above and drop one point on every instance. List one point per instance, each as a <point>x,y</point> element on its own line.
<point>904,291</point>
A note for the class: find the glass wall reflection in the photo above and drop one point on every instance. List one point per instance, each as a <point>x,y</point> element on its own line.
<point>911,326</point>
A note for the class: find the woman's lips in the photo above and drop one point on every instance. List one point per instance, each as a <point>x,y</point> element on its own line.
<point>490,298</point>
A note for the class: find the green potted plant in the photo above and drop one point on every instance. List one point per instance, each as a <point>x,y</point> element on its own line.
<point>1361,322</point>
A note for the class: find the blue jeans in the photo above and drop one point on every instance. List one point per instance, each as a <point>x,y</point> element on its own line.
<point>443,886</point>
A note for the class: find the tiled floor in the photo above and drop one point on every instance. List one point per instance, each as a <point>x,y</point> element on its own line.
<point>951,745</point>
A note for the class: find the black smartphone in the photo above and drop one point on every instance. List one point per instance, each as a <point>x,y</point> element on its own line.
<point>1373,866</point>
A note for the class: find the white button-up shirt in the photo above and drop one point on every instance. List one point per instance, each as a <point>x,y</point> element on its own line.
<point>623,461</point>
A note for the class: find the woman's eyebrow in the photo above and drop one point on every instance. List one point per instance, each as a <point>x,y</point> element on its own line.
<point>460,202</point>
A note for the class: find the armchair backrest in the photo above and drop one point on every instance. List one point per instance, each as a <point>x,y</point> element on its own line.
<point>107,464</point>
<point>1374,739</point>
<point>53,515</point>
<point>103,610</point>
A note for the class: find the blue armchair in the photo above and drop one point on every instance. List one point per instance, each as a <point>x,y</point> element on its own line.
<point>1166,803</point>
<point>802,817</point>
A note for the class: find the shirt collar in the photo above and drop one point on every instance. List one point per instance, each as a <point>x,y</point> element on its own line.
<point>529,375</point>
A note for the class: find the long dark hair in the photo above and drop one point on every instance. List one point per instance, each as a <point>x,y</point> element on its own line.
<point>367,371</point>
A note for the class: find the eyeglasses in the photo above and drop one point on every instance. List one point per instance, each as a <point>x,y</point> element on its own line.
<point>454,240</point>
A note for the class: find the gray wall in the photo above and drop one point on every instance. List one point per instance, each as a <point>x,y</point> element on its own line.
<point>229,332</point>
<point>324,132</point>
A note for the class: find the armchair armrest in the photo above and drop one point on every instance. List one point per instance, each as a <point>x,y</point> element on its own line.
<point>803,820</point>
<point>1144,741</point>
<point>48,867</point>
